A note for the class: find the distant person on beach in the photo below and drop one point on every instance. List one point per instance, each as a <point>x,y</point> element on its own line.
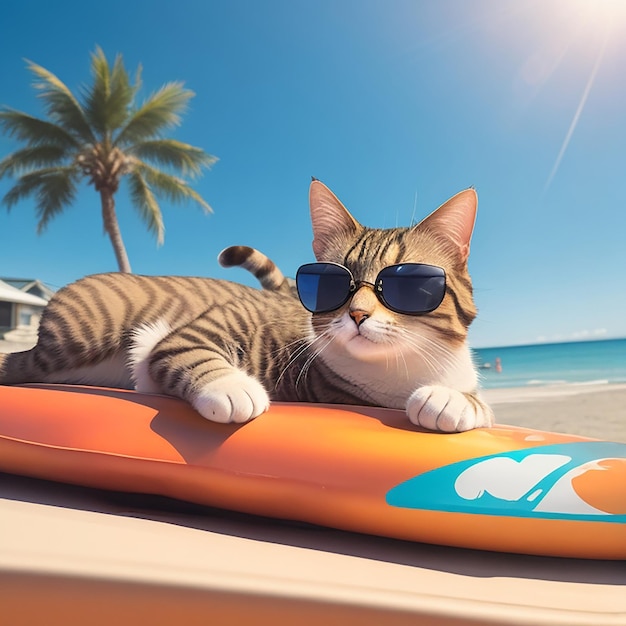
<point>498,365</point>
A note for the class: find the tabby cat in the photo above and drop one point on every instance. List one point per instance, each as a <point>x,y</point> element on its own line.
<point>229,349</point>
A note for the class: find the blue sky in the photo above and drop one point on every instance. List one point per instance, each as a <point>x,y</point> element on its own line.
<point>394,104</point>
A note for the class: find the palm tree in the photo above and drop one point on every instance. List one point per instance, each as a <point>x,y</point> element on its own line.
<point>103,137</point>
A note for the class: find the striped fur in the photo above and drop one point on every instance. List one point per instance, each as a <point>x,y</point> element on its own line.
<point>261,267</point>
<point>229,349</point>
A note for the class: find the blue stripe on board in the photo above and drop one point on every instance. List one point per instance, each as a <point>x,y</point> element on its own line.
<point>531,483</point>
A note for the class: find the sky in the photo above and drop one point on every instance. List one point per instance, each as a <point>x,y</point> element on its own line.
<point>396,105</point>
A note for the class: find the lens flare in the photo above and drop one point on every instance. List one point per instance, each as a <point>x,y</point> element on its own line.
<point>598,19</point>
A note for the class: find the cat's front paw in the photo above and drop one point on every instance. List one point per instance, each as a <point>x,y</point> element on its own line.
<point>440,408</point>
<point>235,397</point>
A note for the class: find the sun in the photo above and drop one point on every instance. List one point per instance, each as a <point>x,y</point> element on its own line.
<point>602,9</point>
<point>598,15</point>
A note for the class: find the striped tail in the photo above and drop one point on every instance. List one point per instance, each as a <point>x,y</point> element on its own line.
<point>261,267</point>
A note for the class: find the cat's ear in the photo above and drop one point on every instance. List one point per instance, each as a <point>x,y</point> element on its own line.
<point>331,221</point>
<point>453,222</point>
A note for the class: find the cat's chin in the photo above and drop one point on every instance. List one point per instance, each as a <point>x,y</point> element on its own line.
<point>363,349</point>
<point>364,345</point>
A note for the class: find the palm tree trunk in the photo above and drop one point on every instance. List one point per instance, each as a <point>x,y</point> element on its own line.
<point>112,228</point>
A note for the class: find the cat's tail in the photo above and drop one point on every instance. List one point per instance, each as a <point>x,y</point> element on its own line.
<point>262,267</point>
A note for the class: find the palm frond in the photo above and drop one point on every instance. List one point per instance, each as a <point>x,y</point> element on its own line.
<point>60,104</point>
<point>186,159</point>
<point>33,157</point>
<point>170,187</point>
<point>35,131</point>
<point>138,81</point>
<point>54,189</point>
<point>55,195</point>
<point>144,201</point>
<point>108,101</point>
<point>159,112</point>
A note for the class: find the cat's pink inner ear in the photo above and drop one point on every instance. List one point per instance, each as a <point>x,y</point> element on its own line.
<point>454,220</point>
<point>331,221</point>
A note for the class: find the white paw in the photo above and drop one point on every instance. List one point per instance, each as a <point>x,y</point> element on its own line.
<point>236,398</point>
<point>440,408</point>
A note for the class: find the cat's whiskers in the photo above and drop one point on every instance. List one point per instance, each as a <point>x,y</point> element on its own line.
<point>400,355</point>
<point>305,368</point>
<point>426,359</point>
<point>328,334</point>
<point>442,353</point>
<point>427,350</point>
<point>421,338</point>
<point>286,347</point>
<point>390,335</point>
<point>307,343</point>
<point>301,343</point>
<point>294,348</point>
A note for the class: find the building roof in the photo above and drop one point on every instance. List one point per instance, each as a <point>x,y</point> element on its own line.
<point>18,283</point>
<point>9,293</point>
<point>27,285</point>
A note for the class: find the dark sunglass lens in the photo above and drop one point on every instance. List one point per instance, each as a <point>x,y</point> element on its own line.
<point>323,286</point>
<point>412,288</point>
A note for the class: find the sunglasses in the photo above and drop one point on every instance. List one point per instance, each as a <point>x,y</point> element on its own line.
<point>409,288</point>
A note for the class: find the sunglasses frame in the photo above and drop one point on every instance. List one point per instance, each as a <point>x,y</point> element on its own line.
<point>377,287</point>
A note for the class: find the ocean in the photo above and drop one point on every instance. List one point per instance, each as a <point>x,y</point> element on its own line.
<point>582,362</point>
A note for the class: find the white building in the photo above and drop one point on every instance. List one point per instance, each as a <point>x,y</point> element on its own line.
<point>20,309</point>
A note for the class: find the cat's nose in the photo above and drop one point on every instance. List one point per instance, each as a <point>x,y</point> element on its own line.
<point>358,316</point>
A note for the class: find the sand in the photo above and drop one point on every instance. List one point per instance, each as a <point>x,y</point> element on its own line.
<point>597,411</point>
<point>71,556</point>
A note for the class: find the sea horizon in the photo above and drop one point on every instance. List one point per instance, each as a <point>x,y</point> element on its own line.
<point>549,343</point>
<point>593,361</point>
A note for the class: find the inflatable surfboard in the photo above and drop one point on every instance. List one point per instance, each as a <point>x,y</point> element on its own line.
<point>359,469</point>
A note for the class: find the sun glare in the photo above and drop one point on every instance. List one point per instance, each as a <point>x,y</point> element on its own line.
<point>600,13</point>
<point>598,19</point>
<point>591,20</point>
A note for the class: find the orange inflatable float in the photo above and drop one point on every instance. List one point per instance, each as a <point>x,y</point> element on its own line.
<point>361,469</point>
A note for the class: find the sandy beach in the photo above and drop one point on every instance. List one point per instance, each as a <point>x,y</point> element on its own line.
<point>597,411</point>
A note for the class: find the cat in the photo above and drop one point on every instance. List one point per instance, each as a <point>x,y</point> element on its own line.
<point>229,349</point>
